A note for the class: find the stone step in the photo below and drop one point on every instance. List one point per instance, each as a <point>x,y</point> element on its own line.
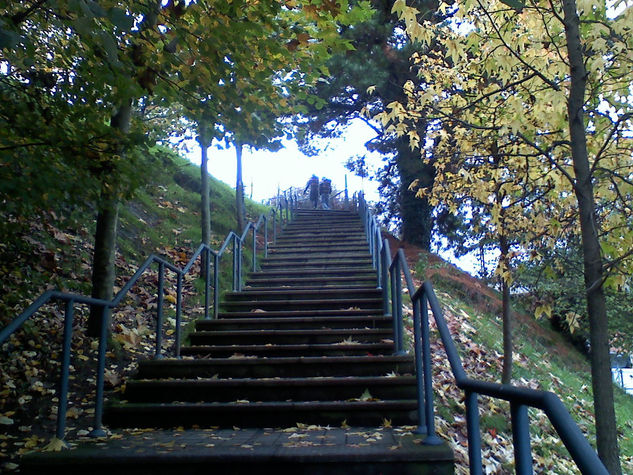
<point>319,254</point>
<point>290,337</point>
<point>334,272</point>
<point>310,224</point>
<point>261,295</point>
<point>260,414</point>
<point>312,304</point>
<point>297,323</point>
<point>288,350</point>
<point>300,313</point>
<point>315,286</point>
<point>288,389</point>
<point>316,266</point>
<point>290,367</point>
<point>308,237</point>
<point>318,259</point>
<point>307,451</point>
<point>306,248</point>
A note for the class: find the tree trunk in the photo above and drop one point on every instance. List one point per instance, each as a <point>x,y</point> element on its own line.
<point>606,430</point>
<point>414,212</point>
<point>239,191</point>
<point>506,374</point>
<point>205,206</point>
<point>103,268</point>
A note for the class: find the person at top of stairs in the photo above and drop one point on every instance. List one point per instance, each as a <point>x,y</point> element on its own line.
<point>325,188</point>
<point>313,185</point>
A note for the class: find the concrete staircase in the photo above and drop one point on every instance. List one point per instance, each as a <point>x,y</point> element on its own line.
<point>305,342</point>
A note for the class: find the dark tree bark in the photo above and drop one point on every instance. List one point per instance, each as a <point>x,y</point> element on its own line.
<point>417,222</point>
<point>205,206</point>
<point>606,429</point>
<point>239,191</point>
<point>103,268</point>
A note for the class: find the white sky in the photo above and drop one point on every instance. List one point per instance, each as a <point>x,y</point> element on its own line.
<point>289,167</point>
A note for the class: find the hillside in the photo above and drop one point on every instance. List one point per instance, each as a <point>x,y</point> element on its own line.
<point>54,251</point>
<point>163,218</point>
<point>543,360</point>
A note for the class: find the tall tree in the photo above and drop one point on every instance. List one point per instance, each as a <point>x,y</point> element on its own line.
<point>556,77</point>
<point>261,68</point>
<point>362,83</point>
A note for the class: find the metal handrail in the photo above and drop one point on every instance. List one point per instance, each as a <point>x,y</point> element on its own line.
<point>390,272</point>
<point>280,215</point>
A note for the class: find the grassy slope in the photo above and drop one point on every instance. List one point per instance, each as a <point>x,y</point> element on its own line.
<point>543,360</point>
<point>54,251</point>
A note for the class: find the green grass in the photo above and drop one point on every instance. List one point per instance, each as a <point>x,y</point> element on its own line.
<point>543,356</point>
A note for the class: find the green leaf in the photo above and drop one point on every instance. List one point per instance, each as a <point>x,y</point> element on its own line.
<point>121,19</point>
<point>518,5</point>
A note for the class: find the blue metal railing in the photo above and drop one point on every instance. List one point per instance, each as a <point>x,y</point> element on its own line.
<point>279,216</point>
<point>390,272</point>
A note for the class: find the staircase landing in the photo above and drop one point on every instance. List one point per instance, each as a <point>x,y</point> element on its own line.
<point>306,450</point>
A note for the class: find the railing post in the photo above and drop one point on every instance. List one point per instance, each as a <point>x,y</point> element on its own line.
<point>371,237</point>
<point>159,312</point>
<point>385,278</point>
<point>240,256</point>
<point>379,267</point>
<point>178,313</point>
<point>421,328</point>
<point>274,226</point>
<point>236,263</point>
<point>254,249</point>
<point>216,284</point>
<point>63,383</point>
<point>207,270</point>
<point>474,435</point>
<point>377,251</point>
<point>419,371</point>
<point>397,296</point>
<point>346,194</point>
<point>521,439</point>
<point>265,236</point>
<point>98,431</point>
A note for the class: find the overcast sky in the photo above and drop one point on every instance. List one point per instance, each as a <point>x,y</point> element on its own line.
<point>288,167</point>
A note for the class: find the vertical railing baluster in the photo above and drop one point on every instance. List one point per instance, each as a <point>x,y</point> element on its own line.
<point>474,434</point>
<point>207,270</point>
<point>379,267</point>
<point>377,250</point>
<point>419,378</point>
<point>65,361</point>
<point>178,313</point>
<point>239,264</point>
<point>424,340</point>
<point>159,311</point>
<point>235,263</point>
<point>397,296</point>
<point>372,237</point>
<point>394,303</point>
<point>216,285</point>
<point>521,439</point>
<point>265,236</point>
<point>254,249</point>
<point>97,430</point>
<point>274,226</point>
<point>385,278</point>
